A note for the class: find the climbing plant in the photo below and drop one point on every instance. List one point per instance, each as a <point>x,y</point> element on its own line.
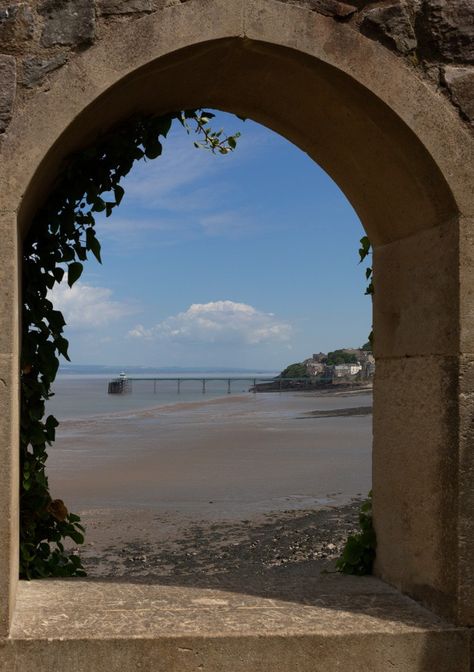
<point>61,238</point>
<point>364,251</point>
<point>358,554</point>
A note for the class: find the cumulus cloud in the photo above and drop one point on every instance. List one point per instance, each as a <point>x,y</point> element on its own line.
<point>218,322</point>
<point>87,307</point>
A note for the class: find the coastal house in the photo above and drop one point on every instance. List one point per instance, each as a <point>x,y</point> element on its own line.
<point>342,370</point>
<point>314,368</point>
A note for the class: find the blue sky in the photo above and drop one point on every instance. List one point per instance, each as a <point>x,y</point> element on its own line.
<point>247,260</point>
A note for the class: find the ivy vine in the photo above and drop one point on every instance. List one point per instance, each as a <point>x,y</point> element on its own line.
<point>60,239</point>
<point>358,554</point>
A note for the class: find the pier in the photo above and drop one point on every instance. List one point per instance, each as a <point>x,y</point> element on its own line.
<point>120,385</point>
<point>124,385</point>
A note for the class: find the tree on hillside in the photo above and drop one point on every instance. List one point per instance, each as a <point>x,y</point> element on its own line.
<point>367,347</point>
<point>341,357</point>
<point>297,370</point>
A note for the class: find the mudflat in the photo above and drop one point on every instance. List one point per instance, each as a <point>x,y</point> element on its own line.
<point>227,488</point>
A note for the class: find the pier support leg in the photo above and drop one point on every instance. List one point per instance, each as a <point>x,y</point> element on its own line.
<point>228,386</point>
<point>204,386</point>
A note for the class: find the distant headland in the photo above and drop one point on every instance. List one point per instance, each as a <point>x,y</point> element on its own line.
<point>346,367</point>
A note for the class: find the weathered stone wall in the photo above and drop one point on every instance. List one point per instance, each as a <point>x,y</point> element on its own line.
<point>436,37</point>
<point>364,89</point>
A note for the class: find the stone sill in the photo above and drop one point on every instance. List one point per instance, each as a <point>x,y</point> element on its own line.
<point>328,623</point>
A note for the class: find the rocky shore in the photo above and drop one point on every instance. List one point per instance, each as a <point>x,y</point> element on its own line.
<point>147,547</point>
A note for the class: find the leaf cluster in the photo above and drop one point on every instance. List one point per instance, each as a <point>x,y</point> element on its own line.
<point>60,240</point>
<point>337,357</point>
<point>297,370</point>
<point>364,251</point>
<point>358,554</point>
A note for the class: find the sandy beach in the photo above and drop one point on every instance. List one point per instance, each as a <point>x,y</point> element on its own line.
<point>223,489</point>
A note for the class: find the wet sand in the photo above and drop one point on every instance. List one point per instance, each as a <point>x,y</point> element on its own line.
<point>238,555</point>
<point>223,488</point>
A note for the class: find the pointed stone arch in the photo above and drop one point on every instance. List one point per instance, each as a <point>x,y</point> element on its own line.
<point>399,151</point>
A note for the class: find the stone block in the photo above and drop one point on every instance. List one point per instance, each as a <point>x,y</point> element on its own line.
<point>416,280</point>
<point>415,478</point>
<point>466,285</point>
<point>333,8</point>
<point>323,624</point>
<point>67,22</point>
<point>466,492</point>
<point>445,30</point>
<point>35,68</point>
<point>17,26</point>
<point>9,416</point>
<point>460,82</point>
<point>391,26</point>
<point>107,7</point>
<point>7,90</point>
<point>9,478</point>
<point>8,283</point>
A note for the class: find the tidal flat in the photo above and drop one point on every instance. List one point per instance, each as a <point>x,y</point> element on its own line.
<point>221,489</point>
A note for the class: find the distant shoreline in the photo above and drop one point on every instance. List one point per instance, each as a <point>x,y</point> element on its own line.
<point>282,385</point>
<point>338,413</point>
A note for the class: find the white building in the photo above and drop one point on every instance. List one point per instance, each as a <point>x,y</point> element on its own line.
<point>341,370</point>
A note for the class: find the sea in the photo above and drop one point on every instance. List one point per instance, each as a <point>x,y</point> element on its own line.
<point>81,395</point>
<point>205,456</point>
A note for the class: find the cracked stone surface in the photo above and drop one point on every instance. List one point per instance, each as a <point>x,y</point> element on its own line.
<point>35,69</point>
<point>332,8</point>
<point>17,26</point>
<point>67,22</point>
<point>326,623</point>
<point>391,26</point>
<point>445,30</point>
<point>460,82</point>
<point>7,90</point>
<point>126,6</point>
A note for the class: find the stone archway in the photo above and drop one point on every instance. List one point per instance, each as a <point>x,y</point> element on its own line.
<point>393,143</point>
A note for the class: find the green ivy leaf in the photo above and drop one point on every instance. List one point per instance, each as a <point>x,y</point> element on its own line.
<point>58,273</point>
<point>93,244</point>
<point>364,247</point>
<point>153,149</point>
<point>74,272</point>
<point>119,193</point>
<point>98,204</point>
<point>62,345</point>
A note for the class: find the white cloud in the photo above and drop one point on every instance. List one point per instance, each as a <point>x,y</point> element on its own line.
<point>218,322</point>
<point>88,307</point>
<point>185,178</point>
<point>167,182</point>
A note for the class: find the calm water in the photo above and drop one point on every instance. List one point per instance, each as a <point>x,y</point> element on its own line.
<point>229,456</point>
<point>81,395</point>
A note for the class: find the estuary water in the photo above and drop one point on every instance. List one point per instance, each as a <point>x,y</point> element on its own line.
<point>208,455</point>
<point>84,395</point>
